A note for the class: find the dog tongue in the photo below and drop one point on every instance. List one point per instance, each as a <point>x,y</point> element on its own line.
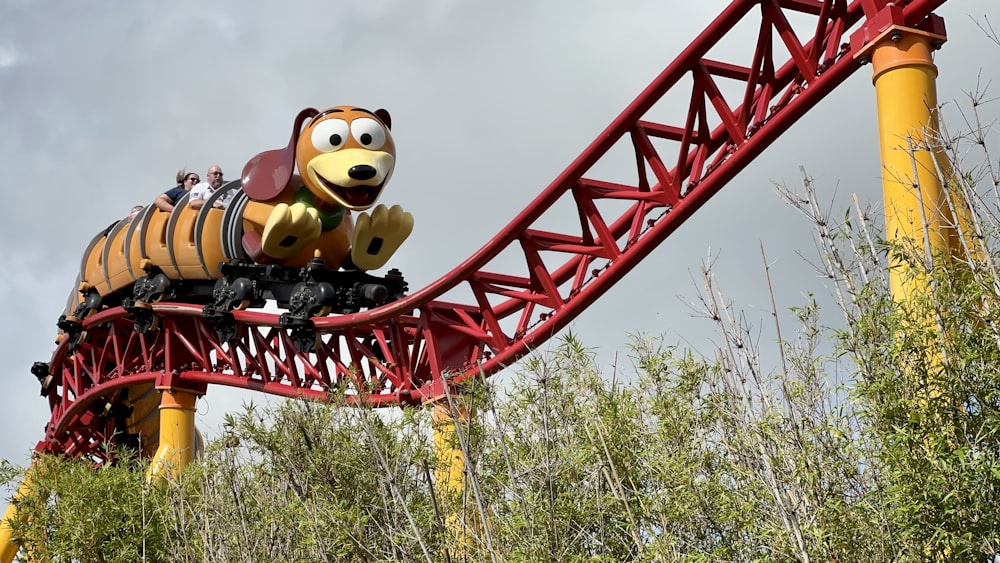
<point>324,205</point>
<point>359,196</point>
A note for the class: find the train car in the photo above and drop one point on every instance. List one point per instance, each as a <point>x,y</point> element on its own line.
<point>302,239</point>
<point>184,244</point>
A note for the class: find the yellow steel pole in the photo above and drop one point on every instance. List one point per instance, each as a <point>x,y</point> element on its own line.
<point>451,416</point>
<point>8,544</point>
<point>928,223</point>
<point>449,473</point>
<point>178,435</point>
<point>917,211</point>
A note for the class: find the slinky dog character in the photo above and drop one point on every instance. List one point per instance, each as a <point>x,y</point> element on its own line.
<point>297,205</point>
<point>344,156</point>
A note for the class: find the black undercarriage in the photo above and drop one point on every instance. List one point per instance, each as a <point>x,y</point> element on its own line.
<point>306,292</point>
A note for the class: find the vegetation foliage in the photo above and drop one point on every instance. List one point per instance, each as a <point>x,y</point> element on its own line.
<point>877,440</point>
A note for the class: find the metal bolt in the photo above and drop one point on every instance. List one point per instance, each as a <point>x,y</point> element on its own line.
<point>895,36</point>
<point>864,60</point>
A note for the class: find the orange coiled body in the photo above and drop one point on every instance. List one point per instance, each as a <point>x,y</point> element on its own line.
<point>186,244</point>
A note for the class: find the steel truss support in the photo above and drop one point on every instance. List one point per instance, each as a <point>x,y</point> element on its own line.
<point>498,308</point>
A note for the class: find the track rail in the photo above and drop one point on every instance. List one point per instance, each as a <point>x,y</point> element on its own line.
<point>529,281</point>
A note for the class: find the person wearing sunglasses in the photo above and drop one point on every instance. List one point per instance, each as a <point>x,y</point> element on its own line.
<point>185,181</point>
<point>204,190</point>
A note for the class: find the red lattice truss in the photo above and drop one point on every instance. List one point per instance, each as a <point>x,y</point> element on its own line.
<point>400,353</point>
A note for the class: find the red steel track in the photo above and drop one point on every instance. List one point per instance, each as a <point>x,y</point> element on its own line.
<point>398,354</point>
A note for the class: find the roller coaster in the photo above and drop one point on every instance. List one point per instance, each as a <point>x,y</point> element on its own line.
<point>170,301</point>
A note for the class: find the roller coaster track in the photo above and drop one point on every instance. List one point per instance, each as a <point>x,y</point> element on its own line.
<point>529,281</point>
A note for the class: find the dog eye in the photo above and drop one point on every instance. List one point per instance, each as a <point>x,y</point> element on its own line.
<point>368,132</point>
<point>330,135</point>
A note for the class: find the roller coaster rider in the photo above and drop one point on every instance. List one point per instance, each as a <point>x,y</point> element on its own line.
<point>185,181</point>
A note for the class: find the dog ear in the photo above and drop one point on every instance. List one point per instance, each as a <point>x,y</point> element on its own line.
<point>384,116</point>
<point>266,174</point>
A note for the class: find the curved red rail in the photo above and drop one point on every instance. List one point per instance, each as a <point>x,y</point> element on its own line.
<point>396,354</point>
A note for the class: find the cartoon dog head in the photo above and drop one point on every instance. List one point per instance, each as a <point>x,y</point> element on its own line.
<point>345,155</point>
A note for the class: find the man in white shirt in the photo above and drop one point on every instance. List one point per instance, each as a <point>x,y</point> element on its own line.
<point>201,192</point>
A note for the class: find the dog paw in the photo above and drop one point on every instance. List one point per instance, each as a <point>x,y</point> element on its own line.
<point>378,235</point>
<point>289,229</point>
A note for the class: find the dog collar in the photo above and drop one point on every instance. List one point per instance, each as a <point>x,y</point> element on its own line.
<point>330,214</point>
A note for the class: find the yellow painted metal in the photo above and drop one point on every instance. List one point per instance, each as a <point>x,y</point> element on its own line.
<point>449,474</point>
<point>451,416</point>
<point>145,418</point>
<point>918,213</point>
<point>9,547</point>
<point>178,435</point>
<point>924,216</point>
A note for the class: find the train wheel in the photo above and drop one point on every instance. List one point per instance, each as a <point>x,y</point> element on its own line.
<point>151,288</point>
<point>237,294</point>
<point>142,315</point>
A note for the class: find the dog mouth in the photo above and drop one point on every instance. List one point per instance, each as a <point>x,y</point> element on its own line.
<point>359,197</point>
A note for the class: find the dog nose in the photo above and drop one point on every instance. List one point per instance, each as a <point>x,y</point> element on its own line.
<point>362,172</point>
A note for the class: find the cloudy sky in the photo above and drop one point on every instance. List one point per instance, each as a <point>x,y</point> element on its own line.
<point>101,102</point>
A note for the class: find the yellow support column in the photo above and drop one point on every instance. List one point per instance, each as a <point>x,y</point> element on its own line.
<point>928,223</point>
<point>449,474</point>
<point>916,206</point>
<point>178,435</point>
<point>8,545</point>
<point>451,416</point>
